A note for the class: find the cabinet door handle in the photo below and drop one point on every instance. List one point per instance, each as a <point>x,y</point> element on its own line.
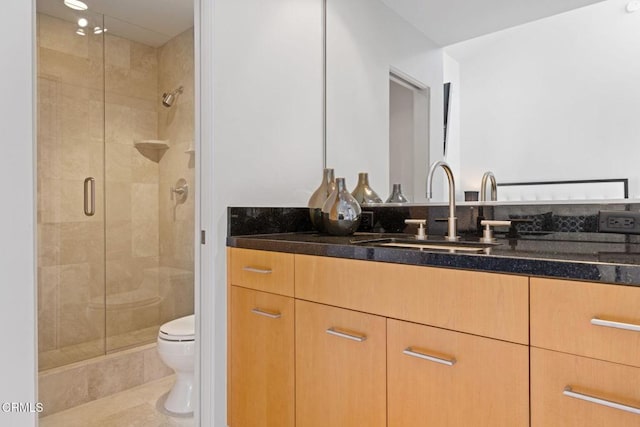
<point>89,196</point>
<point>568,391</point>
<point>269,314</point>
<point>354,337</point>
<point>257,270</point>
<point>614,324</point>
<point>409,351</point>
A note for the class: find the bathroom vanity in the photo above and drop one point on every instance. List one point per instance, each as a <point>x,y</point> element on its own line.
<point>323,331</point>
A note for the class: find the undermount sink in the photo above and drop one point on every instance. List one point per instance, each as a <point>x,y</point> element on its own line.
<point>428,244</point>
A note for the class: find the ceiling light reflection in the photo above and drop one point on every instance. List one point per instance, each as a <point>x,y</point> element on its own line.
<point>76,4</point>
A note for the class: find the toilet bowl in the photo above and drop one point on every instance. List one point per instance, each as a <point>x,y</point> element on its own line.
<point>176,346</point>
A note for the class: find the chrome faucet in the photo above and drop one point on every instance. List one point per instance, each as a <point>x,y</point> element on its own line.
<point>483,187</point>
<point>452,234</point>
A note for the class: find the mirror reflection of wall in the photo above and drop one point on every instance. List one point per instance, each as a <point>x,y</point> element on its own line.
<point>551,99</point>
<point>365,42</point>
<point>555,99</point>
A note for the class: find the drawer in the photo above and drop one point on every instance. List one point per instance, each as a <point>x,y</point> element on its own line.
<point>472,381</point>
<point>262,270</point>
<point>562,313</point>
<point>553,372</point>
<point>488,304</point>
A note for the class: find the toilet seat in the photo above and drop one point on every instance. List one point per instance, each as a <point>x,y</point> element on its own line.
<point>182,329</point>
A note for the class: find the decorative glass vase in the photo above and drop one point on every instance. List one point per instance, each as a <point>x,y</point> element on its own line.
<point>396,195</point>
<point>320,196</point>
<point>341,212</point>
<point>363,193</point>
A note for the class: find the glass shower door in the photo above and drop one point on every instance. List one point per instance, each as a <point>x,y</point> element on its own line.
<point>70,180</point>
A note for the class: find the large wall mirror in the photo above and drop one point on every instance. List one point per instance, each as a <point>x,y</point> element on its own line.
<point>540,93</point>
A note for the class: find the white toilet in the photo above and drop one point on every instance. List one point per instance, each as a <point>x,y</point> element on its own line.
<point>176,346</point>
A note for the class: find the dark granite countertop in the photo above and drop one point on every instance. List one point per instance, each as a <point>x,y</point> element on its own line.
<point>589,256</point>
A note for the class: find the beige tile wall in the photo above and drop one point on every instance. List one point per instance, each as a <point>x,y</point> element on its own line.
<point>176,124</point>
<point>141,231</point>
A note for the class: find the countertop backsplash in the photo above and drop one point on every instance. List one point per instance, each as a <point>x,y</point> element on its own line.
<point>554,221</point>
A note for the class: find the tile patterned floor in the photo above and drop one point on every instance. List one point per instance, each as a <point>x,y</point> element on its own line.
<point>137,407</point>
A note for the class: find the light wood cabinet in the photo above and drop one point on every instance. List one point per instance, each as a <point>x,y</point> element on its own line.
<point>320,341</point>
<point>585,355</point>
<point>261,369</point>
<point>487,304</point>
<point>444,378</point>
<point>552,372</point>
<point>340,367</point>
<point>587,319</point>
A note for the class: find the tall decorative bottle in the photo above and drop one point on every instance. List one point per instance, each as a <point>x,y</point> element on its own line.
<point>363,192</point>
<point>320,196</point>
<point>341,212</point>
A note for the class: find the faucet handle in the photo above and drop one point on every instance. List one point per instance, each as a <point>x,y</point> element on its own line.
<point>487,233</point>
<point>422,235</point>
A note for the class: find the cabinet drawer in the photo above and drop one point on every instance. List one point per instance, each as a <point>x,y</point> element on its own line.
<point>340,367</point>
<point>562,313</point>
<point>445,378</point>
<point>488,304</point>
<point>553,372</point>
<point>262,270</point>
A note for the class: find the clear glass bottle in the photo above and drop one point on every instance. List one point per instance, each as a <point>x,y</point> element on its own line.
<point>363,192</point>
<point>341,212</point>
<point>320,196</point>
<point>396,195</point>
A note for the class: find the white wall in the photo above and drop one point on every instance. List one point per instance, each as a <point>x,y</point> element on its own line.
<point>17,289</point>
<point>555,99</point>
<point>267,150</point>
<point>267,130</point>
<point>365,40</point>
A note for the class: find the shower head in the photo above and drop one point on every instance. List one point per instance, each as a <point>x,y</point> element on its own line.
<point>169,98</point>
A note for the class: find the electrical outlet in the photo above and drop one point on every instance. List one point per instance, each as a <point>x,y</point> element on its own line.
<point>619,222</point>
<point>366,221</point>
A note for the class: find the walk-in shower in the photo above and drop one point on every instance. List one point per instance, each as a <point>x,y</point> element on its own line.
<point>115,253</point>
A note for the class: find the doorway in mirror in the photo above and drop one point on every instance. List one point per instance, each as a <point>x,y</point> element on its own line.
<point>408,129</point>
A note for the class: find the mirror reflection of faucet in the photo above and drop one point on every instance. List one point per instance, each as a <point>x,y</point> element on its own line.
<point>421,234</point>
<point>452,233</point>
<point>488,175</point>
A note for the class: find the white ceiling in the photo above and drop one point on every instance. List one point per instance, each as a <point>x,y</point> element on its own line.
<point>154,22</point>
<point>151,22</point>
<point>451,21</point>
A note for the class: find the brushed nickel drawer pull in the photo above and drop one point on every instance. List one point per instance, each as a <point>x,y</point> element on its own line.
<point>257,270</point>
<point>89,196</point>
<point>334,331</point>
<point>409,351</point>
<point>568,391</point>
<point>617,325</point>
<point>269,314</point>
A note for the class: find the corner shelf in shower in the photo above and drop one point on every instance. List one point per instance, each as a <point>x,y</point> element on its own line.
<point>153,144</point>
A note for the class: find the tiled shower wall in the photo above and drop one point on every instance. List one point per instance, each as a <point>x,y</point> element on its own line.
<point>176,124</point>
<point>149,240</point>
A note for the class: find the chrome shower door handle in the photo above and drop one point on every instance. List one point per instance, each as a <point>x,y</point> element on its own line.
<point>89,196</point>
